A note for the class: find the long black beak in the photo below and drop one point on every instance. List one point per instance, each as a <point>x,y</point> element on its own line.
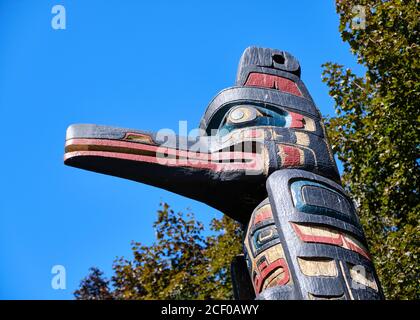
<point>199,169</point>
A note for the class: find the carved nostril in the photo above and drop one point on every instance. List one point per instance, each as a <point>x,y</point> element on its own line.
<point>278,58</point>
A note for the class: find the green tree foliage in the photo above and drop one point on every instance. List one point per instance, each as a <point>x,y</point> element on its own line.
<point>94,287</point>
<point>181,264</point>
<point>375,134</point>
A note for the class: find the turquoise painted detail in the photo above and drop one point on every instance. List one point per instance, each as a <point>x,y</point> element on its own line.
<point>297,188</point>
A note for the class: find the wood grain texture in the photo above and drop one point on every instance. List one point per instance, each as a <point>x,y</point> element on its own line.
<point>262,157</point>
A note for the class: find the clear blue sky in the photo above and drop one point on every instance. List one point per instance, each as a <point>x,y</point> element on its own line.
<point>130,64</point>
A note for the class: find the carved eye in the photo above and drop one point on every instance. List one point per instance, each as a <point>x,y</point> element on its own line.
<point>242,114</point>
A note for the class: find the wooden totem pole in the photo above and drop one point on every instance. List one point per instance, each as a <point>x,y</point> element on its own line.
<point>263,159</point>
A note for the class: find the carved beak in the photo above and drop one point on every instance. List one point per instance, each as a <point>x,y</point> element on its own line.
<point>202,169</point>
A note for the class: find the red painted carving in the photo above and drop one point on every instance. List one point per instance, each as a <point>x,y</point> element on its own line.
<point>263,214</point>
<point>297,120</point>
<point>290,156</point>
<point>267,269</point>
<point>272,82</point>
<point>340,241</point>
<point>153,154</point>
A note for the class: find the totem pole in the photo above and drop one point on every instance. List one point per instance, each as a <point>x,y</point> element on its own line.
<point>262,158</point>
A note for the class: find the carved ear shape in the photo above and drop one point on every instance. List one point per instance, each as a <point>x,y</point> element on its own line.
<point>269,61</point>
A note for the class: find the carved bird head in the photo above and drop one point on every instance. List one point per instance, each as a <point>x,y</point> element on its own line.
<point>266,122</point>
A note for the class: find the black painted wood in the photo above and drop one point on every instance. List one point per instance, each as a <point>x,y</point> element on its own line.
<point>262,158</point>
